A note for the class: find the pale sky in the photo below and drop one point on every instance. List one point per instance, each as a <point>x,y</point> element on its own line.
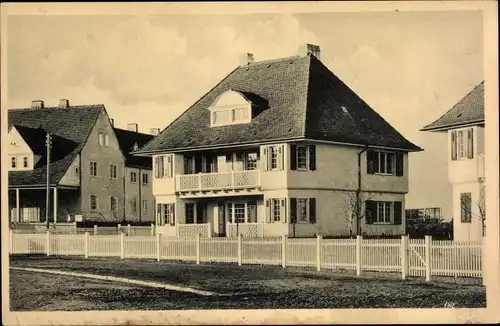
<point>411,67</point>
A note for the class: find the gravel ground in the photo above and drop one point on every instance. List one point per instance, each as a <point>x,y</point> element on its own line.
<point>241,287</point>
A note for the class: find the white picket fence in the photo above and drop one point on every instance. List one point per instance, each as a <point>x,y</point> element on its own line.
<point>409,257</point>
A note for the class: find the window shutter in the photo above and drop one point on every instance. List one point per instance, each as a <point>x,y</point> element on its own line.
<point>312,210</point>
<point>470,142</point>
<point>293,210</point>
<point>172,214</point>
<point>399,164</point>
<point>268,211</point>
<point>370,162</point>
<point>454,145</point>
<point>370,211</point>
<point>280,157</point>
<point>293,157</point>
<point>283,210</point>
<point>265,159</point>
<point>158,214</point>
<point>398,213</point>
<point>312,157</point>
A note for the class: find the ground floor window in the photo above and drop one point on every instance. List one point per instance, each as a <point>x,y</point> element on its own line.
<point>303,210</point>
<point>466,207</point>
<point>165,214</point>
<point>190,213</point>
<point>384,212</point>
<point>93,202</point>
<point>275,210</point>
<point>113,203</point>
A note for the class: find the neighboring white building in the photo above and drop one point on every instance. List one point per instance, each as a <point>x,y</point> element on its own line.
<point>464,124</point>
<point>279,147</point>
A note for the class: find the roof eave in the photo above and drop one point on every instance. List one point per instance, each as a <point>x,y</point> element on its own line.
<point>446,127</point>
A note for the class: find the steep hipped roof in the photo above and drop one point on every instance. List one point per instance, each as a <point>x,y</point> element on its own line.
<point>470,109</point>
<point>70,129</point>
<point>127,139</point>
<point>304,102</point>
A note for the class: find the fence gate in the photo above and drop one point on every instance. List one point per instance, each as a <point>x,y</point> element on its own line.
<point>416,257</point>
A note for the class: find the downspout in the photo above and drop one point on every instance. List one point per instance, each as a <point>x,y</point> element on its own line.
<point>358,193</point>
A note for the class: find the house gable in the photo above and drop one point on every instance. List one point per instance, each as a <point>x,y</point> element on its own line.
<point>19,150</point>
<point>72,175</point>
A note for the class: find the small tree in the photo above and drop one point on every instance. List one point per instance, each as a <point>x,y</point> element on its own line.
<point>354,211</point>
<point>467,207</point>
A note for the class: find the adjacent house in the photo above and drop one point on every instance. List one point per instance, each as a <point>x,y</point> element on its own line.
<point>280,147</point>
<point>464,123</point>
<point>89,160</point>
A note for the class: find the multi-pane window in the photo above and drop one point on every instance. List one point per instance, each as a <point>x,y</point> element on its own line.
<point>168,213</point>
<point>163,166</point>
<point>462,144</point>
<point>106,140</point>
<point>25,162</point>
<point>133,177</point>
<point>113,203</point>
<point>13,162</point>
<point>145,206</point>
<point>384,210</point>
<point>240,115</point>
<point>302,210</point>
<point>190,213</point>
<point>385,163</point>
<point>93,202</point>
<point>93,169</point>
<point>133,206</point>
<point>101,139</point>
<point>276,210</point>
<point>239,213</point>
<point>224,117</point>
<point>466,207</point>
<point>252,159</point>
<point>274,157</point>
<point>113,171</point>
<point>302,160</point>
<point>144,178</point>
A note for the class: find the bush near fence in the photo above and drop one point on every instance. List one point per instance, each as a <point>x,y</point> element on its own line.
<point>410,257</point>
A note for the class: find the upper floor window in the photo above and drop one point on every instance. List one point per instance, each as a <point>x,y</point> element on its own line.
<point>303,157</point>
<point>25,162</point>
<point>103,139</point>
<point>230,107</point>
<point>144,178</point>
<point>462,142</point>
<point>13,162</point>
<point>133,177</point>
<point>113,171</point>
<point>252,161</point>
<point>385,162</point>
<point>163,166</point>
<point>93,169</point>
<point>273,157</point>
<point>106,140</point>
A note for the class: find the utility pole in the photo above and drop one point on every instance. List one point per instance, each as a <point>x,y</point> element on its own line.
<point>48,144</point>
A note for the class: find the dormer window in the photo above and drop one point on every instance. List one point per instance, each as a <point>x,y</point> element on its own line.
<point>231,107</point>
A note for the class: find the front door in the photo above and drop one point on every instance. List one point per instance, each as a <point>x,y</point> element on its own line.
<point>222,220</point>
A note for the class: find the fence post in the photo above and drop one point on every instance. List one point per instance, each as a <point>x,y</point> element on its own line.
<point>11,241</point>
<point>122,245</point>
<point>197,248</point>
<point>128,230</point>
<point>358,254</point>
<point>48,243</point>
<point>404,257</point>
<point>95,229</point>
<point>209,232</point>
<point>283,251</point>
<point>152,229</point>
<point>119,228</point>
<point>318,252</point>
<point>240,249</point>
<point>86,245</point>
<point>158,252</point>
<point>428,240</point>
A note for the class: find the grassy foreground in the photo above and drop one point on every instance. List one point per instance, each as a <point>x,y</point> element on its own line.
<point>241,287</point>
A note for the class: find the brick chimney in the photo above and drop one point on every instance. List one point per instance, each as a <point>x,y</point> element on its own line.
<point>63,104</point>
<point>133,127</point>
<point>311,49</point>
<point>38,104</point>
<point>154,131</point>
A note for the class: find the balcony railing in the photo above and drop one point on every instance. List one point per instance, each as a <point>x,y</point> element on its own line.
<point>218,181</point>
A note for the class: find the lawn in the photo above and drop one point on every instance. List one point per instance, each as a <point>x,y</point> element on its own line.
<point>240,287</point>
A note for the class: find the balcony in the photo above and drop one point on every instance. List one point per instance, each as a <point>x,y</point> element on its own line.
<point>246,179</point>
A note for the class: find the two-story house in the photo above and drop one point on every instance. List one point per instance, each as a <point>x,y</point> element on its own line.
<point>279,147</point>
<point>464,123</point>
<point>86,164</point>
